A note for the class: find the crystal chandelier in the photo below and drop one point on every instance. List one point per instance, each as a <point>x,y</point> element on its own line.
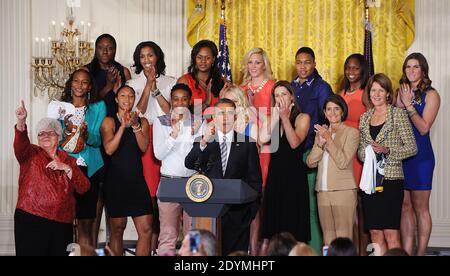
<point>55,59</point>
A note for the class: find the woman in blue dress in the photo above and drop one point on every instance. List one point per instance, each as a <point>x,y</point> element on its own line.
<point>422,102</point>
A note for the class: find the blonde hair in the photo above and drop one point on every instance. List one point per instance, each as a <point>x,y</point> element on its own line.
<point>243,104</point>
<point>268,74</point>
<point>302,249</point>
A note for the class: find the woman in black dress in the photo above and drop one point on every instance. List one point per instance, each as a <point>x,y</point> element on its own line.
<point>109,75</point>
<point>286,199</point>
<point>125,138</point>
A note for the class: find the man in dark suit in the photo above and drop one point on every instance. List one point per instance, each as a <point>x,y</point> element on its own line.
<point>225,154</point>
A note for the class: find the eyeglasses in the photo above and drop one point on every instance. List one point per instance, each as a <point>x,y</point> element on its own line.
<point>47,133</point>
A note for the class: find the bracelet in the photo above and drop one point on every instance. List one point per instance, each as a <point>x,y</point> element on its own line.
<point>156,93</point>
<point>411,112</point>
<point>136,127</point>
<point>137,130</point>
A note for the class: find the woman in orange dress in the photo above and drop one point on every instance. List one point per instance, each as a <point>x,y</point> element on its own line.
<point>258,82</point>
<point>203,77</point>
<point>356,75</point>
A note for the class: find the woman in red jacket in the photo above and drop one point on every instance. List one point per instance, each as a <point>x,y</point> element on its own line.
<point>48,179</point>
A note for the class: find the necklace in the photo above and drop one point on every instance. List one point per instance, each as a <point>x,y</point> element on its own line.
<point>350,91</point>
<point>257,90</point>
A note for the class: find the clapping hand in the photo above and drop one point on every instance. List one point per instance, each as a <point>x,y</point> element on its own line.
<point>324,134</point>
<point>117,84</point>
<point>69,127</point>
<point>125,120</point>
<point>151,77</point>
<point>405,94</point>
<point>284,109</point>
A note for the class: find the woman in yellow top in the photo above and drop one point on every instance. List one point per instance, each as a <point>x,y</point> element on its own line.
<point>386,130</point>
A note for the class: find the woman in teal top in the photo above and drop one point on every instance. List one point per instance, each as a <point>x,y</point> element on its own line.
<point>89,114</point>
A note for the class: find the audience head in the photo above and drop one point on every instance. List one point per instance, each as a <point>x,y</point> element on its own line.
<point>204,59</point>
<point>415,70</point>
<point>379,91</point>
<point>256,64</point>
<point>80,84</point>
<point>147,55</point>
<point>356,70</point>
<point>396,252</point>
<point>342,247</point>
<point>302,249</point>
<point>284,92</point>
<point>49,133</point>
<point>208,244</point>
<point>125,97</point>
<point>305,63</point>
<point>281,244</point>
<point>180,96</point>
<point>238,254</point>
<point>335,109</point>
<point>105,49</point>
<point>225,115</point>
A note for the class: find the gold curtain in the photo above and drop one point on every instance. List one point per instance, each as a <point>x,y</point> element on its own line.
<point>333,28</point>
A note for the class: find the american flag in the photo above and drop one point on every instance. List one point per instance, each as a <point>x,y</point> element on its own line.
<point>368,52</point>
<point>224,54</point>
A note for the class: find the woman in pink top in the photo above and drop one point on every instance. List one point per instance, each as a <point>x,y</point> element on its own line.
<point>258,82</point>
<point>356,75</point>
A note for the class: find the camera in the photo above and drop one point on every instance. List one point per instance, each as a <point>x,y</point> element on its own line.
<point>325,250</point>
<point>194,241</point>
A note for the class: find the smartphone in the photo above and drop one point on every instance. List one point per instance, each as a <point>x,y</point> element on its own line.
<point>194,241</point>
<point>100,252</point>
<point>325,250</point>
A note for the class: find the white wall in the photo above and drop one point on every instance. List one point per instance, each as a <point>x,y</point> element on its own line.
<point>15,54</point>
<point>433,40</point>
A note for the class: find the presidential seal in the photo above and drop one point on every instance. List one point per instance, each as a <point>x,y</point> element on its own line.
<point>199,188</point>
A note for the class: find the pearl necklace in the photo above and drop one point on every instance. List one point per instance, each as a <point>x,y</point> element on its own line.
<point>257,90</point>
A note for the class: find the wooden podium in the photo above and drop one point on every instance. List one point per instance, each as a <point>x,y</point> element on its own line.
<point>206,215</point>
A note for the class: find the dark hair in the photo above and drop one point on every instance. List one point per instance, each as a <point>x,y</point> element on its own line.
<point>160,64</point>
<point>296,109</point>
<point>338,100</point>
<point>306,50</point>
<point>281,244</point>
<point>123,87</point>
<point>181,86</point>
<point>91,96</point>
<point>364,67</point>
<point>95,64</point>
<point>384,82</point>
<point>214,74</point>
<point>425,82</point>
<point>225,101</point>
<point>396,252</point>
<point>342,247</point>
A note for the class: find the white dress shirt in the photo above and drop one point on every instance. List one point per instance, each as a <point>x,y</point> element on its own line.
<point>163,83</point>
<point>172,152</point>
<point>325,159</point>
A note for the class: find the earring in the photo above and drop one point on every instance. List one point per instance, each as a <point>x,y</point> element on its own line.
<point>89,96</point>
<point>71,92</point>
